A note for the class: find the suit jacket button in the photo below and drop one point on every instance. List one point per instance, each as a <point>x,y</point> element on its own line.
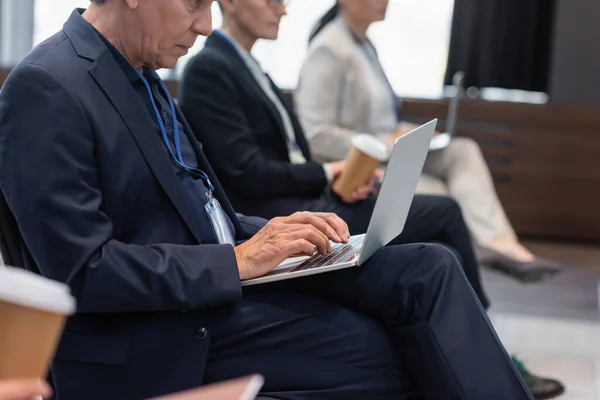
<point>201,334</point>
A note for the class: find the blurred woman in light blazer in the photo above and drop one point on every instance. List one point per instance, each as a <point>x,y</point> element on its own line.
<point>343,91</point>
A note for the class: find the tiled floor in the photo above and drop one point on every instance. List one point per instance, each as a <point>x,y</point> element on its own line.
<point>565,349</point>
<point>555,326</point>
<point>580,375</point>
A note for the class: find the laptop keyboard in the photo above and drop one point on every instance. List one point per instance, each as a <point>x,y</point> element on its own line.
<point>341,253</point>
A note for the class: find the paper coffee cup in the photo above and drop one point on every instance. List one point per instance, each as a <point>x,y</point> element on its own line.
<point>33,311</point>
<point>366,154</point>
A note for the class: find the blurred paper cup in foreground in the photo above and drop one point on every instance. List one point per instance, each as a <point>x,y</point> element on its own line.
<point>33,311</point>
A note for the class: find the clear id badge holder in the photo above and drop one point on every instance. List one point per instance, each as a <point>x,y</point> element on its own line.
<point>218,220</point>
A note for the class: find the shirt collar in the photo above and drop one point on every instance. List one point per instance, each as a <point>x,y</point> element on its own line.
<point>127,68</point>
<point>245,54</point>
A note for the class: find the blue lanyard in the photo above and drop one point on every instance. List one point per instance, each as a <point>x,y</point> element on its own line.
<point>177,155</point>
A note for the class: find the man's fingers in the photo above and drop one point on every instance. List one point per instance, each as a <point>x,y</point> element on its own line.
<point>321,224</point>
<point>300,246</point>
<point>338,224</point>
<point>324,226</point>
<point>313,235</point>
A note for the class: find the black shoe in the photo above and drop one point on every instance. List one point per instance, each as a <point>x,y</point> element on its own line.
<point>526,271</point>
<point>541,388</point>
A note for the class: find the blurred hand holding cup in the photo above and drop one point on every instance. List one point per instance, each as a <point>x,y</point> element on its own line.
<point>365,156</point>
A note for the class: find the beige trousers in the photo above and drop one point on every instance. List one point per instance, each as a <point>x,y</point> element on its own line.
<point>460,171</point>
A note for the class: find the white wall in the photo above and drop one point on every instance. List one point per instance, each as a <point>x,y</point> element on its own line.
<point>412,42</point>
<point>16,35</point>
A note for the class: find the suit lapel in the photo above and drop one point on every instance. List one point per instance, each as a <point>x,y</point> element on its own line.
<point>266,101</point>
<point>298,132</point>
<point>247,77</point>
<point>107,73</point>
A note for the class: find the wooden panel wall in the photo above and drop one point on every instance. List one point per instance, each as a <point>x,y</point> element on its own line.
<point>545,160</point>
<point>3,74</point>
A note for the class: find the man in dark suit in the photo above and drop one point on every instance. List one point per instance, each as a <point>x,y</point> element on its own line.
<point>259,151</point>
<point>112,195</point>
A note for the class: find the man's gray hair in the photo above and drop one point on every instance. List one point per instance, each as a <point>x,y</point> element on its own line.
<point>97,1</point>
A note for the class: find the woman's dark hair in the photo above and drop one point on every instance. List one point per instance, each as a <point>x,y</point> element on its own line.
<point>324,21</point>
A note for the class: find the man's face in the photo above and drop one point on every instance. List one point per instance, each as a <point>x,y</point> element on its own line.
<point>169,29</point>
<point>259,18</point>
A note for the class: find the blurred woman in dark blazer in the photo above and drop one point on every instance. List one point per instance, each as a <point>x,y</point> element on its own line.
<point>344,91</point>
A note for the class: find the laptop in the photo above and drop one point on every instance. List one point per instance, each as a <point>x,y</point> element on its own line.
<point>245,388</point>
<point>388,219</point>
<point>442,140</point>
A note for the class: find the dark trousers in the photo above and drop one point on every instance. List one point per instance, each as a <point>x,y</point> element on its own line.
<point>405,325</point>
<point>431,219</point>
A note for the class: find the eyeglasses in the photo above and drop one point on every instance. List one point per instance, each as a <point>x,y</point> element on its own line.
<point>278,3</point>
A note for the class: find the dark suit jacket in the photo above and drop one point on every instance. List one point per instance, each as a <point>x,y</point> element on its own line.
<point>243,134</point>
<point>96,201</point>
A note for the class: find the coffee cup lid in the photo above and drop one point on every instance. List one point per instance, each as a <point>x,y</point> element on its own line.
<point>371,146</point>
<point>25,288</point>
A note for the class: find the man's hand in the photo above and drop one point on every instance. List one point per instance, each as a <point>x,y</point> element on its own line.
<point>284,237</point>
<point>23,389</point>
